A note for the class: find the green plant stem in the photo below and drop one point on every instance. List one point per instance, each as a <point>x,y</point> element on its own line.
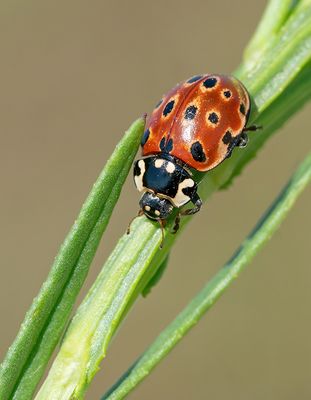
<point>272,21</point>
<point>45,321</point>
<point>205,299</point>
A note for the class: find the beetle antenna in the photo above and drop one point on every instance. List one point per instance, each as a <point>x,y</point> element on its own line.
<point>140,213</point>
<point>162,224</point>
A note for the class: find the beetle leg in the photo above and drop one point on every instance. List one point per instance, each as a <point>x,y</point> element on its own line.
<point>197,205</point>
<point>190,211</point>
<point>252,128</point>
<point>176,224</point>
<point>162,223</point>
<point>243,140</point>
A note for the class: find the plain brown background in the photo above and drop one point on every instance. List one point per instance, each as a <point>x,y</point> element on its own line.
<point>74,75</point>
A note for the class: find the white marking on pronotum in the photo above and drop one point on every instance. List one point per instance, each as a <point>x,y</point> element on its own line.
<point>147,208</point>
<point>170,167</point>
<point>181,198</point>
<point>139,178</point>
<point>158,163</point>
<point>157,212</point>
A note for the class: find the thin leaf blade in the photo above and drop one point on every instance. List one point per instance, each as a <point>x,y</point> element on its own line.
<point>44,322</point>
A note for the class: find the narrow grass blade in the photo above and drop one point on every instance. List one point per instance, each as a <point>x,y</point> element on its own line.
<point>272,21</point>
<point>44,323</point>
<point>206,298</point>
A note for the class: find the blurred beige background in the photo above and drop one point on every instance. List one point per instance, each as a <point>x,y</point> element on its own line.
<point>74,75</point>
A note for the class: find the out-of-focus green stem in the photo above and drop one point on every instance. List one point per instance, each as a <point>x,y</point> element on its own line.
<point>267,32</point>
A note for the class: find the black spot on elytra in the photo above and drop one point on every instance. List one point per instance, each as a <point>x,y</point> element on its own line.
<point>166,146</point>
<point>194,79</point>
<point>227,137</point>
<point>213,118</point>
<point>168,108</point>
<point>227,94</point>
<point>145,137</point>
<point>197,152</point>
<point>190,112</point>
<point>159,103</point>
<point>162,144</point>
<point>242,109</point>
<point>210,82</point>
<point>169,146</point>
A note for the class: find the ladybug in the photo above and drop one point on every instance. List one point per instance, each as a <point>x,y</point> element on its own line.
<point>193,128</point>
